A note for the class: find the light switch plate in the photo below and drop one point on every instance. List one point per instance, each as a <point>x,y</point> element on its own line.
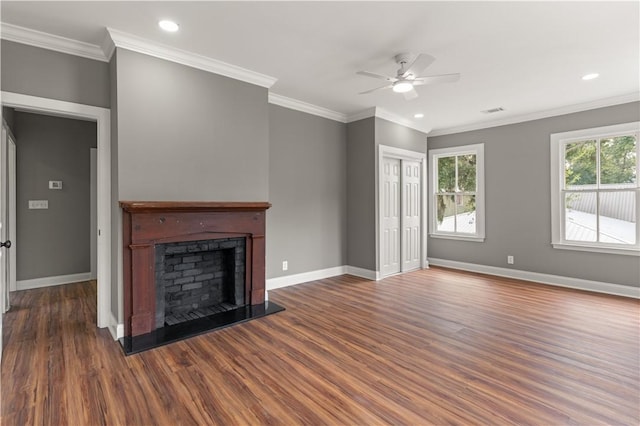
<point>38,204</point>
<point>55,184</point>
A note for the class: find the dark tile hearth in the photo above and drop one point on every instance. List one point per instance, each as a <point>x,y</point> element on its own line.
<point>183,330</point>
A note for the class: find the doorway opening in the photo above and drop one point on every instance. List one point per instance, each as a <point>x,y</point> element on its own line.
<point>101,116</point>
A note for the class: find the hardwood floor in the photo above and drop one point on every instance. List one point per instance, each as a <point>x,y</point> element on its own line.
<point>426,348</point>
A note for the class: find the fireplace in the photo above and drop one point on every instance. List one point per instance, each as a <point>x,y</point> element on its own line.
<point>196,279</point>
<point>190,267</point>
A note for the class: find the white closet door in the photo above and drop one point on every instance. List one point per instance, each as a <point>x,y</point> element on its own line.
<point>411,215</point>
<point>390,216</point>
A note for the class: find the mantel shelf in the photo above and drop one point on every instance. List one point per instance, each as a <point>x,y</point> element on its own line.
<point>194,206</point>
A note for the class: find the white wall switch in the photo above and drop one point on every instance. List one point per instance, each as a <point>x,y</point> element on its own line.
<point>285,265</point>
<point>38,204</point>
<point>55,184</point>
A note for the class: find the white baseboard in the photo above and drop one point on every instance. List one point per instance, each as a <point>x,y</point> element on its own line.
<point>304,277</point>
<point>116,330</point>
<point>362,273</point>
<point>555,280</point>
<point>50,281</point>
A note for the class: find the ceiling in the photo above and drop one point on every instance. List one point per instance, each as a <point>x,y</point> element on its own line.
<point>526,57</point>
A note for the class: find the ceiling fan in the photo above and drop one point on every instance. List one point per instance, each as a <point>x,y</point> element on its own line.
<point>411,66</point>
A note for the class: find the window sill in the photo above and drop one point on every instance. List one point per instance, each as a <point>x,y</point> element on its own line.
<point>597,249</point>
<point>458,237</point>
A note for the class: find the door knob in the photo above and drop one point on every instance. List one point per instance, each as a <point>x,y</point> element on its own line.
<point>6,244</point>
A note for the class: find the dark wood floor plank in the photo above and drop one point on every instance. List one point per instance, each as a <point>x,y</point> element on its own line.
<point>429,347</point>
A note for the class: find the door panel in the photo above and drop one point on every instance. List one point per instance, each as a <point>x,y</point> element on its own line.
<point>411,215</point>
<point>390,216</point>
<point>4,235</point>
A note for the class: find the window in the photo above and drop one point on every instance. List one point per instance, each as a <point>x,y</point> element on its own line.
<point>595,189</point>
<point>457,192</point>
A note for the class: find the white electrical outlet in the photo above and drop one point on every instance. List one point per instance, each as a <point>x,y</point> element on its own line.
<point>55,184</point>
<point>285,265</point>
<point>510,260</point>
<point>38,204</point>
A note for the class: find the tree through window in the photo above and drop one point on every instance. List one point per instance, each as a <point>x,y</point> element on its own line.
<point>458,192</point>
<point>595,205</point>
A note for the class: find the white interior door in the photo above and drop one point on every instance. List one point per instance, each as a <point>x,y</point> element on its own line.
<point>4,222</point>
<point>411,215</point>
<point>94,213</point>
<point>390,216</point>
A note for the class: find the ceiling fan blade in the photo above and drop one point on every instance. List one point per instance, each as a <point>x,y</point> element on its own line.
<point>419,64</point>
<point>388,86</point>
<point>411,94</point>
<point>378,76</point>
<point>435,79</point>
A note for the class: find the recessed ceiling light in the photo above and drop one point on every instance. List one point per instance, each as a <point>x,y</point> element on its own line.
<point>170,26</point>
<point>590,76</point>
<point>418,115</point>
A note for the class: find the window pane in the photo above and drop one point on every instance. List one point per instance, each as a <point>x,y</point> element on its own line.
<point>580,217</point>
<point>446,174</point>
<point>467,173</point>
<point>466,214</point>
<point>446,209</point>
<point>580,163</point>
<point>618,160</point>
<point>617,217</point>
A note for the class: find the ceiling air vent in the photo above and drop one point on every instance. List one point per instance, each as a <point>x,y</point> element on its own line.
<point>492,110</point>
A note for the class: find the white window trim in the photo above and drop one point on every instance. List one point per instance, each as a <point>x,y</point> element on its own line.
<point>478,150</point>
<point>557,141</point>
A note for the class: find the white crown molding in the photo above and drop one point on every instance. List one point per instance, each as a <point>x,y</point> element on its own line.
<point>297,105</point>
<point>569,109</point>
<point>35,38</point>
<point>147,47</point>
<point>365,113</point>
<point>386,115</point>
<point>108,46</point>
<point>389,116</point>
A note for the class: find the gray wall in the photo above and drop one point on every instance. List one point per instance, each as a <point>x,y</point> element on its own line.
<point>186,134</point>
<point>7,116</point>
<point>398,136</point>
<point>363,139</point>
<point>307,223</point>
<point>116,213</point>
<point>361,169</point>
<point>518,201</point>
<point>55,241</point>
<point>40,72</point>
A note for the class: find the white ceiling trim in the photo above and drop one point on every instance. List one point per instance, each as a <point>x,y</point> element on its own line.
<point>569,109</point>
<point>365,113</point>
<point>51,42</point>
<point>389,116</point>
<point>147,47</point>
<point>386,115</point>
<point>297,105</point>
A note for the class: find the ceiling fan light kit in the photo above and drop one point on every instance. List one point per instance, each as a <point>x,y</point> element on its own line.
<point>402,86</point>
<point>405,79</point>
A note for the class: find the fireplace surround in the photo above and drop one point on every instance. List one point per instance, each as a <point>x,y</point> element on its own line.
<point>152,229</point>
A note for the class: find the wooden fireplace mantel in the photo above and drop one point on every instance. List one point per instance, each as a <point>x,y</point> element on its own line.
<point>147,223</point>
<point>192,206</point>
